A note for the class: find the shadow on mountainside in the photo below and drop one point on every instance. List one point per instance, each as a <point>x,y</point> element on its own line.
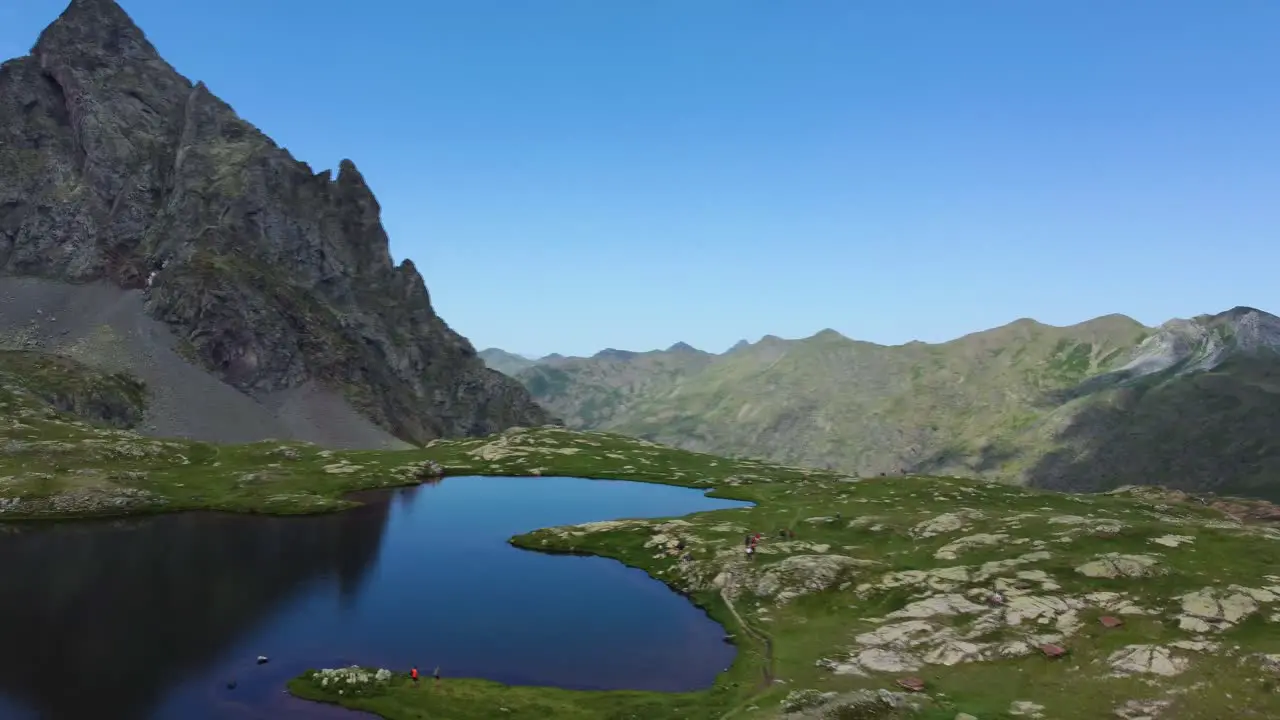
<point>991,457</point>
<point>1089,386</point>
<point>1215,432</point>
<point>106,617</point>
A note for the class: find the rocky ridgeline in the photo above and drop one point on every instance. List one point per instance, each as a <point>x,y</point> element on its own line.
<point>116,168</point>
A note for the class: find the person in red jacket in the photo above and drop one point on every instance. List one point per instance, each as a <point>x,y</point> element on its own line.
<point>414,674</point>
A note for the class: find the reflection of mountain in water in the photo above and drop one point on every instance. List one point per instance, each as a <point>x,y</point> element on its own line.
<point>99,619</point>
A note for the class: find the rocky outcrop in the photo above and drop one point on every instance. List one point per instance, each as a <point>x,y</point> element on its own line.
<point>115,167</point>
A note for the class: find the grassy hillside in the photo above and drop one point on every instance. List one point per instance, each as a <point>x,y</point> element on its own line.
<point>1192,404</point>
<point>828,401</point>
<point>599,392</point>
<point>1215,431</point>
<point>884,579</point>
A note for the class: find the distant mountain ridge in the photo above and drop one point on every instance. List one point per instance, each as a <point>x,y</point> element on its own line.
<point>1191,403</point>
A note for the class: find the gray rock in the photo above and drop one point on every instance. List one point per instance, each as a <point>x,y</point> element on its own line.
<point>113,166</point>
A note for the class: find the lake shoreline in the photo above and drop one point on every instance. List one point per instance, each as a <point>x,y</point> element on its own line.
<point>342,501</point>
<point>734,682</point>
<point>274,479</point>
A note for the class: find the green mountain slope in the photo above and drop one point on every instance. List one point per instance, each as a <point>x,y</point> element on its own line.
<point>504,362</point>
<point>1090,406</point>
<point>599,391</point>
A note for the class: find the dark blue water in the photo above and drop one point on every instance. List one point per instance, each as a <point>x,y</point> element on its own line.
<point>151,618</point>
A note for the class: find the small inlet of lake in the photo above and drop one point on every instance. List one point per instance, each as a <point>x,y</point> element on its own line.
<point>153,618</point>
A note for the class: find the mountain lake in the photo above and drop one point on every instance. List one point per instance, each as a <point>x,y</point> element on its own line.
<point>155,617</point>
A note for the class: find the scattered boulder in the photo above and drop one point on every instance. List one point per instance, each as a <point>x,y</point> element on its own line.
<point>1173,541</point>
<point>286,452</point>
<point>950,604</point>
<point>1115,602</point>
<point>1141,709</point>
<point>1195,645</point>
<point>1053,651</point>
<point>802,574</point>
<point>859,704</point>
<point>798,700</point>
<point>1116,565</point>
<point>953,652</point>
<point>945,523</point>
<point>952,549</point>
<point>1211,609</point>
<point>1146,660</point>
<point>1043,609</point>
<point>911,683</point>
<point>428,470</point>
<point>1026,708</point>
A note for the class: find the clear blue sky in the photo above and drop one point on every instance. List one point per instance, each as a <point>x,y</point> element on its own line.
<point>577,174</point>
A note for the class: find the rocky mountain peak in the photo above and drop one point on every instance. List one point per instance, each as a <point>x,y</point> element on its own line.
<point>88,27</point>
<point>113,166</point>
<point>828,334</point>
<point>683,347</point>
<point>1205,342</point>
<point>615,354</point>
<point>1239,312</point>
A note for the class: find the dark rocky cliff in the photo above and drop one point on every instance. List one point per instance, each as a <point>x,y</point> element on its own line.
<point>114,166</point>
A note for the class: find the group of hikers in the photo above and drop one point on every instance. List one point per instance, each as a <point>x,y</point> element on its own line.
<point>413,673</point>
<point>753,539</point>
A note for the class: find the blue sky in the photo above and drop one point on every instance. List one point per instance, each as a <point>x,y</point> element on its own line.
<point>577,174</point>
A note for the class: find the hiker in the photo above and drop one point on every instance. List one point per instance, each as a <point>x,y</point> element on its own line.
<point>751,552</point>
<point>413,673</point>
<point>747,540</point>
<point>436,674</point>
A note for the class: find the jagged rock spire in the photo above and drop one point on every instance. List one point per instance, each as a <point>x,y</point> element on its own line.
<point>279,276</point>
<point>92,27</point>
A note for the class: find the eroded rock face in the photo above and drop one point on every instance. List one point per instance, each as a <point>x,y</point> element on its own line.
<point>114,166</point>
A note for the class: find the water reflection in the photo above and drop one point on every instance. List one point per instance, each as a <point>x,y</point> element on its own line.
<point>151,618</point>
<point>100,619</point>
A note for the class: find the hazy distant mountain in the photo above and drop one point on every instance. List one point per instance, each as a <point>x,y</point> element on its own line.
<point>1194,403</point>
<point>505,362</point>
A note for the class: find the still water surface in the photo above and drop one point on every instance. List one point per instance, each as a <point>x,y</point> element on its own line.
<point>150,618</point>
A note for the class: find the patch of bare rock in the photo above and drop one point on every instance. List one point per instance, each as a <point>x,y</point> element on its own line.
<point>1117,565</point>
